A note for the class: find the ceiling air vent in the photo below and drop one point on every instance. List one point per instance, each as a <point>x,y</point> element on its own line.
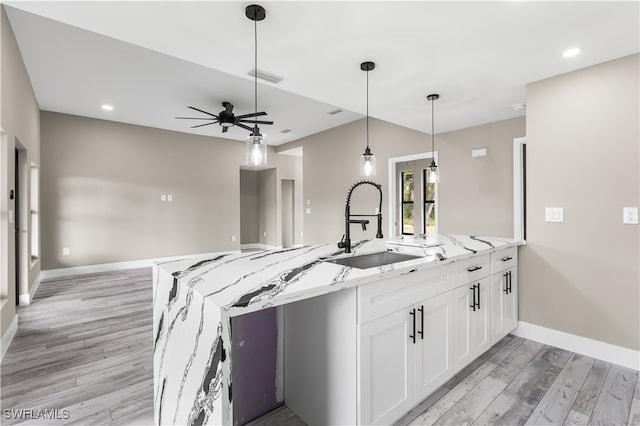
<point>266,76</point>
<point>285,131</point>
<point>334,112</point>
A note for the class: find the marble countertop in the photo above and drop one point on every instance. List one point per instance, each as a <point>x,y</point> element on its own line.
<point>243,282</point>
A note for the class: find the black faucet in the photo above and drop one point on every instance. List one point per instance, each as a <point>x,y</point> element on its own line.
<point>345,243</point>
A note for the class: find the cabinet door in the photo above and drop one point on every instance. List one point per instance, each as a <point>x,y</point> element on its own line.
<point>481,323</point>
<point>511,302</point>
<point>504,303</point>
<point>472,326</point>
<point>385,371</point>
<point>434,344</point>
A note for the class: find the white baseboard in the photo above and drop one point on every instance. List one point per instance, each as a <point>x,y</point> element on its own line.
<point>25,299</point>
<point>594,348</point>
<point>108,267</point>
<point>8,336</point>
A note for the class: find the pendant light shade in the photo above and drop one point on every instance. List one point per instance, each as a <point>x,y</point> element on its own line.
<point>256,142</point>
<point>368,160</point>
<point>433,174</point>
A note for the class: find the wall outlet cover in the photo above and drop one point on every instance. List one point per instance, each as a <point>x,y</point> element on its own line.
<point>554,214</point>
<point>630,215</point>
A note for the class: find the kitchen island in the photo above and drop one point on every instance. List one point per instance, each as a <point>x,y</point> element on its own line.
<point>196,299</point>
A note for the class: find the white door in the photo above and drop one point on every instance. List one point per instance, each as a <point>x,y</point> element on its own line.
<point>386,368</point>
<point>434,344</point>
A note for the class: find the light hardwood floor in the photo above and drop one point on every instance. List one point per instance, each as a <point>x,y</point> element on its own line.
<point>84,345</point>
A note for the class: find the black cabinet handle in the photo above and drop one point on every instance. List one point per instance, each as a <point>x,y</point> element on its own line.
<point>505,259</point>
<point>413,316</point>
<point>510,289</point>
<point>421,332</point>
<point>478,287</point>
<point>473,304</point>
<point>474,268</point>
<point>506,283</point>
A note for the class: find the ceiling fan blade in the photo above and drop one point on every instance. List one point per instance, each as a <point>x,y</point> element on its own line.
<point>253,114</point>
<point>225,129</point>
<point>244,127</point>
<point>204,112</point>
<point>254,121</point>
<point>205,124</point>
<point>195,118</point>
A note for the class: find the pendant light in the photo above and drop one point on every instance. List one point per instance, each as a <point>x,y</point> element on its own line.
<point>433,175</point>
<point>256,142</point>
<point>368,160</point>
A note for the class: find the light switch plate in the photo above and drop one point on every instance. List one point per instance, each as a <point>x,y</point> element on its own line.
<point>480,152</point>
<point>169,197</point>
<point>554,214</point>
<point>163,197</point>
<point>630,215</point>
<point>308,211</point>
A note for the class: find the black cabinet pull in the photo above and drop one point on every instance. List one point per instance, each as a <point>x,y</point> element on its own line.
<point>506,259</point>
<point>506,283</point>
<point>510,289</point>
<point>421,332</point>
<point>478,287</point>
<point>413,316</point>
<point>473,304</point>
<point>474,268</point>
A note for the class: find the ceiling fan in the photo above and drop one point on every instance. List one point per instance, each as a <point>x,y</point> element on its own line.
<point>227,119</point>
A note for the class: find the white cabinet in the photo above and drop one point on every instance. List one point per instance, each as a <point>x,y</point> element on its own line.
<point>368,355</point>
<point>433,348</point>
<point>504,293</point>
<point>385,369</point>
<point>472,321</point>
<point>404,356</point>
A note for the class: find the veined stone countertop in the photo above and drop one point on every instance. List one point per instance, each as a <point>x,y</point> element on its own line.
<point>194,299</point>
<point>242,282</point>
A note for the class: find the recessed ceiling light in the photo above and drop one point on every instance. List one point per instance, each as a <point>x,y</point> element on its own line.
<point>518,107</point>
<point>107,107</point>
<point>571,52</point>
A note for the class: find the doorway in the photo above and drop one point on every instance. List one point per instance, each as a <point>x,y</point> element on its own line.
<point>16,225</point>
<point>288,215</point>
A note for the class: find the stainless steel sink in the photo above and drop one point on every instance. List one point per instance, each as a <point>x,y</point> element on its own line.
<point>371,260</point>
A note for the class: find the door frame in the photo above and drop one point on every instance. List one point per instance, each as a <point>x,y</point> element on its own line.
<point>393,184</point>
<point>519,189</point>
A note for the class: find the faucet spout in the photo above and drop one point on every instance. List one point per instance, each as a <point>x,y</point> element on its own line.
<point>345,243</point>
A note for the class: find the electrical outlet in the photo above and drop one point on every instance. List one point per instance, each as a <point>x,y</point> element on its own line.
<point>264,234</point>
<point>233,238</point>
<point>554,214</point>
<point>630,215</point>
<point>308,211</point>
<point>65,251</point>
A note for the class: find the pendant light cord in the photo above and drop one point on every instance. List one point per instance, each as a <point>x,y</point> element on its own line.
<point>367,109</point>
<point>255,71</point>
<point>432,132</point>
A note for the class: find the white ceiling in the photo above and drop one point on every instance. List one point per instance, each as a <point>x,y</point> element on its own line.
<point>152,59</point>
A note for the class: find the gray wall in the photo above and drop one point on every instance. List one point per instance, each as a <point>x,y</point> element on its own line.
<point>476,195</point>
<point>20,119</point>
<point>582,276</point>
<point>268,207</point>
<point>101,188</point>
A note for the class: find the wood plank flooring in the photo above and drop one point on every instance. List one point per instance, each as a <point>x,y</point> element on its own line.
<point>83,350</point>
<point>83,347</point>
